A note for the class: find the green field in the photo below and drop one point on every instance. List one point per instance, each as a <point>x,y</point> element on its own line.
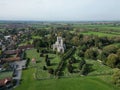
<point>102,30</point>
<point>78,83</point>
<point>40,62</point>
<point>101,27</point>
<point>29,81</point>
<point>99,34</point>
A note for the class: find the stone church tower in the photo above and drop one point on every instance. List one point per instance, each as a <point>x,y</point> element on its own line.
<point>59,46</point>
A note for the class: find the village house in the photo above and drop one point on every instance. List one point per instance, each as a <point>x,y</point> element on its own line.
<point>24,47</point>
<point>5,83</point>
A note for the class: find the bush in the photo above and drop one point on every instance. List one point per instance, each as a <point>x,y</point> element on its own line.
<point>116,78</point>
<point>27,62</point>
<point>82,62</point>
<point>51,71</point>
<point>41,55</point>
<point>70,68</point>
<point>84,70</point>
<point>44,68</point>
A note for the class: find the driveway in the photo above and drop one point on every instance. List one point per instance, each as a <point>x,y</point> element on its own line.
<point>19,65</point>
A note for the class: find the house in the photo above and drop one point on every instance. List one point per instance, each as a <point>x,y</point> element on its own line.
<point>12,52</point>
<point>29,46</point>
<point>59,45</point>
<point>5,83</point>
<point>7,37</point>
<point>11,59</point>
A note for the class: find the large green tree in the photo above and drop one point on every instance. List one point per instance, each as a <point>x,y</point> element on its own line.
<point>110,49</point>
<point>112,60</point>
<point>91,53</point>
<point>116,78</point>
<point>82,62</point>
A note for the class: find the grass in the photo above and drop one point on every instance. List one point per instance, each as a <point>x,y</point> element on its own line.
<point>99,34</point>
<point>5,74</point>
<point>80,83</point>
<point>103,30</point>
<point>101,27</point>
<point>99,68</point>
<point>54,59</point>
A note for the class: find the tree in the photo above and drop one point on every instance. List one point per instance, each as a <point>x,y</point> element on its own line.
<point>70,68</point>
<point>37,50</point>
<point>112,60</point>
<point>110,49</point>
<point>72,60</point>
<point>46,56</point>
<point>91,53</point>
<point>102,57</point>
<point>118,53</point>
<point>51,71</point>
<point>75,40</point>
<point>44,68</point>
<point>48,62</point>
<point>84,70</point>
<point>116,78</point>
<point>80,53</point>
<point>82,62</point>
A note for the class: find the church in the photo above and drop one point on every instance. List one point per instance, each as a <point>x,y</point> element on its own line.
<point>59,46</point>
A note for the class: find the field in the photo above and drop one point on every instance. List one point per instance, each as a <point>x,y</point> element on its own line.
<point>40,62</point>
<point>100,30</point>
<point>78,83</point>
<point>92,81</point>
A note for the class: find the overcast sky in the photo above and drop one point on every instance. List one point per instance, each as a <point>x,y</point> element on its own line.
<point>60,10</point>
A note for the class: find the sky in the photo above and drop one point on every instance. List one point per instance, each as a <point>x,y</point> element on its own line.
<point>60,10</point>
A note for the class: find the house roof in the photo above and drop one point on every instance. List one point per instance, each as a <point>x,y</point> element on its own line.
<point>9,52</point>
<point>4,81</point>
<point>11,59</point>
<point>26,46</point>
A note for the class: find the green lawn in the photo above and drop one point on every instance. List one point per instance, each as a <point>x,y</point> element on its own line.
<point>5,74</point>
<point>80,83</point>
<point>54,59</point>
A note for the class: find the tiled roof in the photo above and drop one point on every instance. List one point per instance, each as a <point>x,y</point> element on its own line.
<point>26,46</point>
<point>11,59</point>
<point>12,51</point>
<point>4,81</point>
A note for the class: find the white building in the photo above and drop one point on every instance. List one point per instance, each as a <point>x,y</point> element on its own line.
<point>59,46</point>
<point>7,37</point>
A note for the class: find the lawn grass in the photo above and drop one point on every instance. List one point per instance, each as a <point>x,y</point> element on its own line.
<point>40,62</point>
<point>78,83</point>
<point>99,68</point>
<point>5,74</point>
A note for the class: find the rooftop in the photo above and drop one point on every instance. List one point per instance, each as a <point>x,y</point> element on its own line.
<point>11,59</point>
